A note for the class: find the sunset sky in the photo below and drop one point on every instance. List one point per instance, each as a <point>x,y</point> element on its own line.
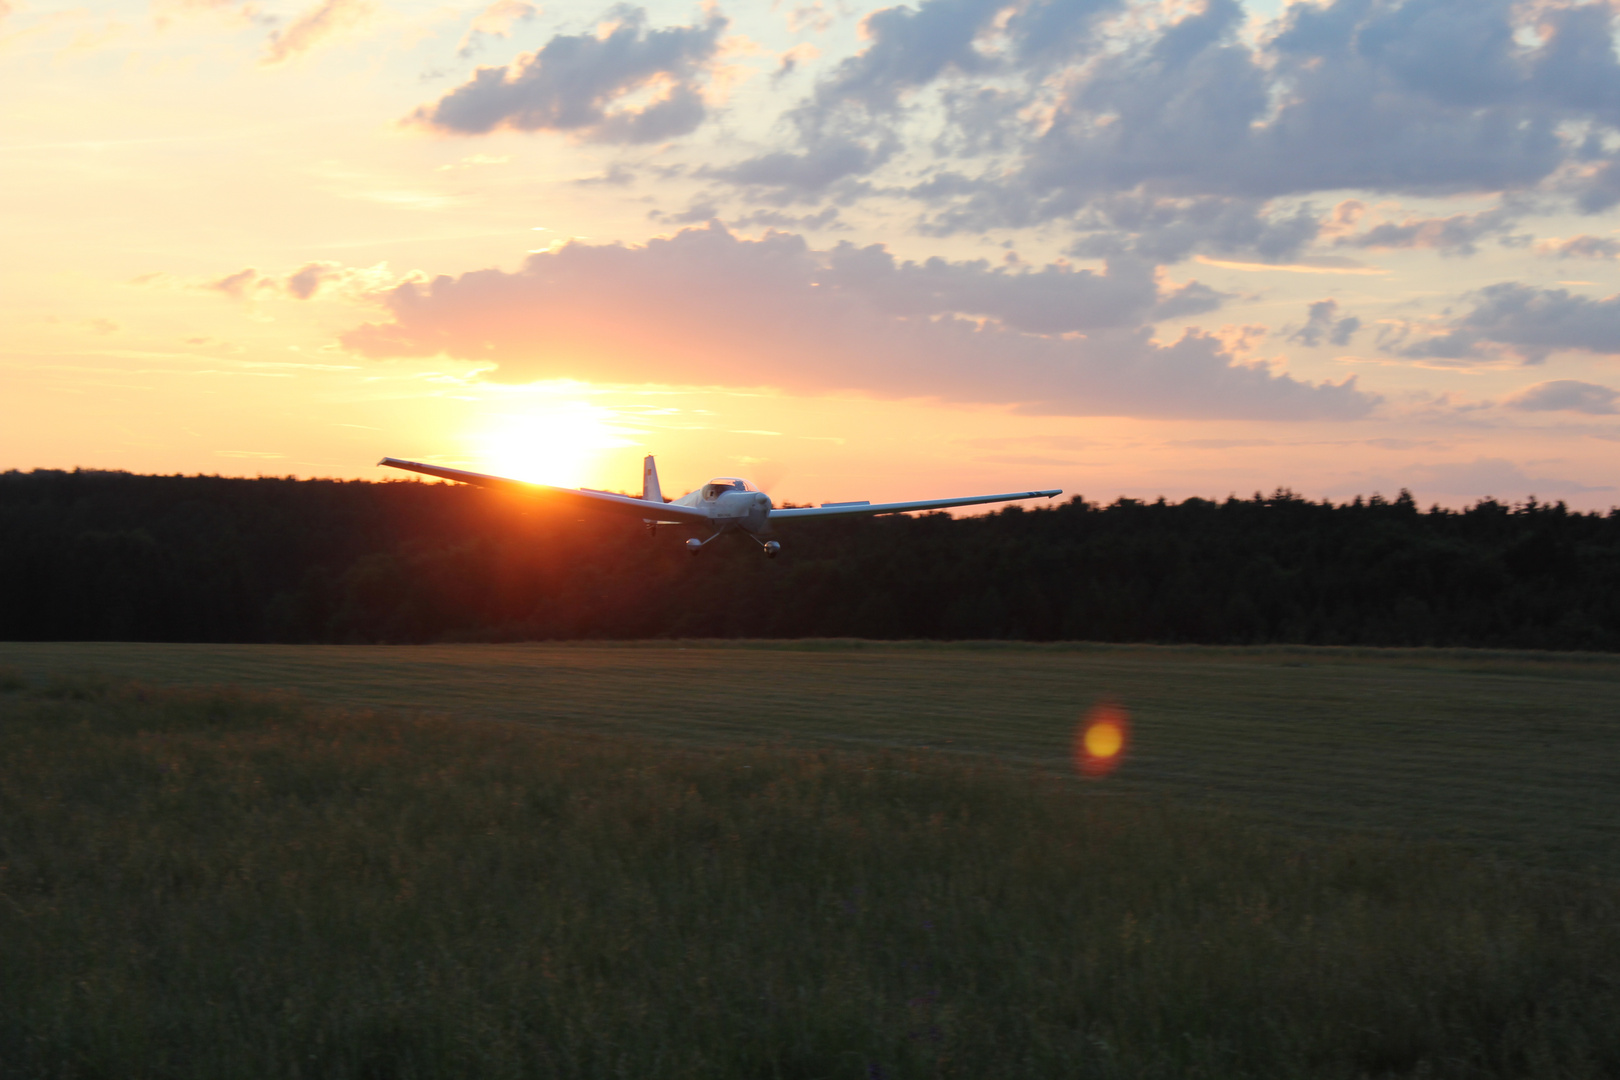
<point>1191,247</point>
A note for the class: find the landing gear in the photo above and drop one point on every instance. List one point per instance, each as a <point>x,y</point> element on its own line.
<point>770,547</point>
<point>695,545</point>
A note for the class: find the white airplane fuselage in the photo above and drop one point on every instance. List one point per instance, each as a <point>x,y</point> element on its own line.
<point>731,503</point>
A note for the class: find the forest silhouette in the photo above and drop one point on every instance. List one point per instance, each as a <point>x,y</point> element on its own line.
<point>92,555</point>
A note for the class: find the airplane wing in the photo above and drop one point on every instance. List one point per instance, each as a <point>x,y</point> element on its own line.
<point>826,510</point>
<point>569,498</point>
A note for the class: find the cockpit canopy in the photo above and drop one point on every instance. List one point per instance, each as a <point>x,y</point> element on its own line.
<point>722,484</point>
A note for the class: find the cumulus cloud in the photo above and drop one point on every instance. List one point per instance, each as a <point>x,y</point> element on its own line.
<point>705,307</point>
<point>1322,323</point>
<point>1423,96</point>
<point>592,85</point>
<point>1170,229</point>
<point>313,27</point>
<point>911,47</point>
<point>1040,111</point>
<point>1567,395</point>
<point>495,21</point>
<point>1528,322</point>
<point>830,164</point>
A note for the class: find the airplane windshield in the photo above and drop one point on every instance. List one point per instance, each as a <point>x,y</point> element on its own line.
<point>720,483</point>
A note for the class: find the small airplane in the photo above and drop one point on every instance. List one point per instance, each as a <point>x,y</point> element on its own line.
<point>724,505</point>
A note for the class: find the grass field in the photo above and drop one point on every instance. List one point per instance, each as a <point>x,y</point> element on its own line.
<point>197,883</point>
<point>1514,754</point>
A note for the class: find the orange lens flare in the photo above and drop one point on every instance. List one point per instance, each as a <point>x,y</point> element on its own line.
<point>1100,740</point>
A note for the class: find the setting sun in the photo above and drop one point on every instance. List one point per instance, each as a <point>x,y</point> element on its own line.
<point>549,444</point>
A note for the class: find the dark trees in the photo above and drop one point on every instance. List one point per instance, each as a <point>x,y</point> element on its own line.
<point>94,555</point>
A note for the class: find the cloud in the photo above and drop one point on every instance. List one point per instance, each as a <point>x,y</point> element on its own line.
<point>1581,247</point>
<point>1529,322</point>
<point>1457,234</point>
<point>1322,324</point>
<point>313,27</point>
<point>1566,395</point>
<point>1036,111</point>
<point>1425,96</point>
<point>785,177</point>
<point>307,281</point>
<point>705,307</point>
<point>911,47</point>
<point>241,284</point>
<point>1170,229</point>
<point>591,86</point>
<point>495,21</point>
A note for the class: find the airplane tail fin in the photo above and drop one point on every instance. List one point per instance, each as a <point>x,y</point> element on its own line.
<point>650,491</point>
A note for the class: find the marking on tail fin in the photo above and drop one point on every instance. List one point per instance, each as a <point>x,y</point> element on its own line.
<point>650,491</point>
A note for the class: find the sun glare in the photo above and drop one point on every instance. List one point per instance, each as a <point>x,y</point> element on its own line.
<point>1100,740</point>
<point>559,443</point>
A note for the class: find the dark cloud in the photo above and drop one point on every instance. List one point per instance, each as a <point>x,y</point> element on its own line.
<point>844,130</point>
<point>1567,395</point>
<point>911,47</point>
<point>784,177</point>
<point>1322,323</point>
<point>577,84</point>
<point>1424,96</point>
<point>1526,321</point>
<point>1045,32</point>
<point>707,308</point>
<point>1198,124</point>
<point>1171,229</point>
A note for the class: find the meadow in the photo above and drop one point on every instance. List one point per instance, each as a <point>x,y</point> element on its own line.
<point>824,860</point>
<point>1512,753</point>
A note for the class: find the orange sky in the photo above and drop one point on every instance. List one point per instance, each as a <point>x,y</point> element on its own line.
<point>850,254</point>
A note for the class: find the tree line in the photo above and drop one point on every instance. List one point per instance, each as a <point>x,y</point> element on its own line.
<point>90,555</point>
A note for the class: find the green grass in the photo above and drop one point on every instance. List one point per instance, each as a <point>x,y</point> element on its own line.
<point>203,883</point>
<point>1514,754</point>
